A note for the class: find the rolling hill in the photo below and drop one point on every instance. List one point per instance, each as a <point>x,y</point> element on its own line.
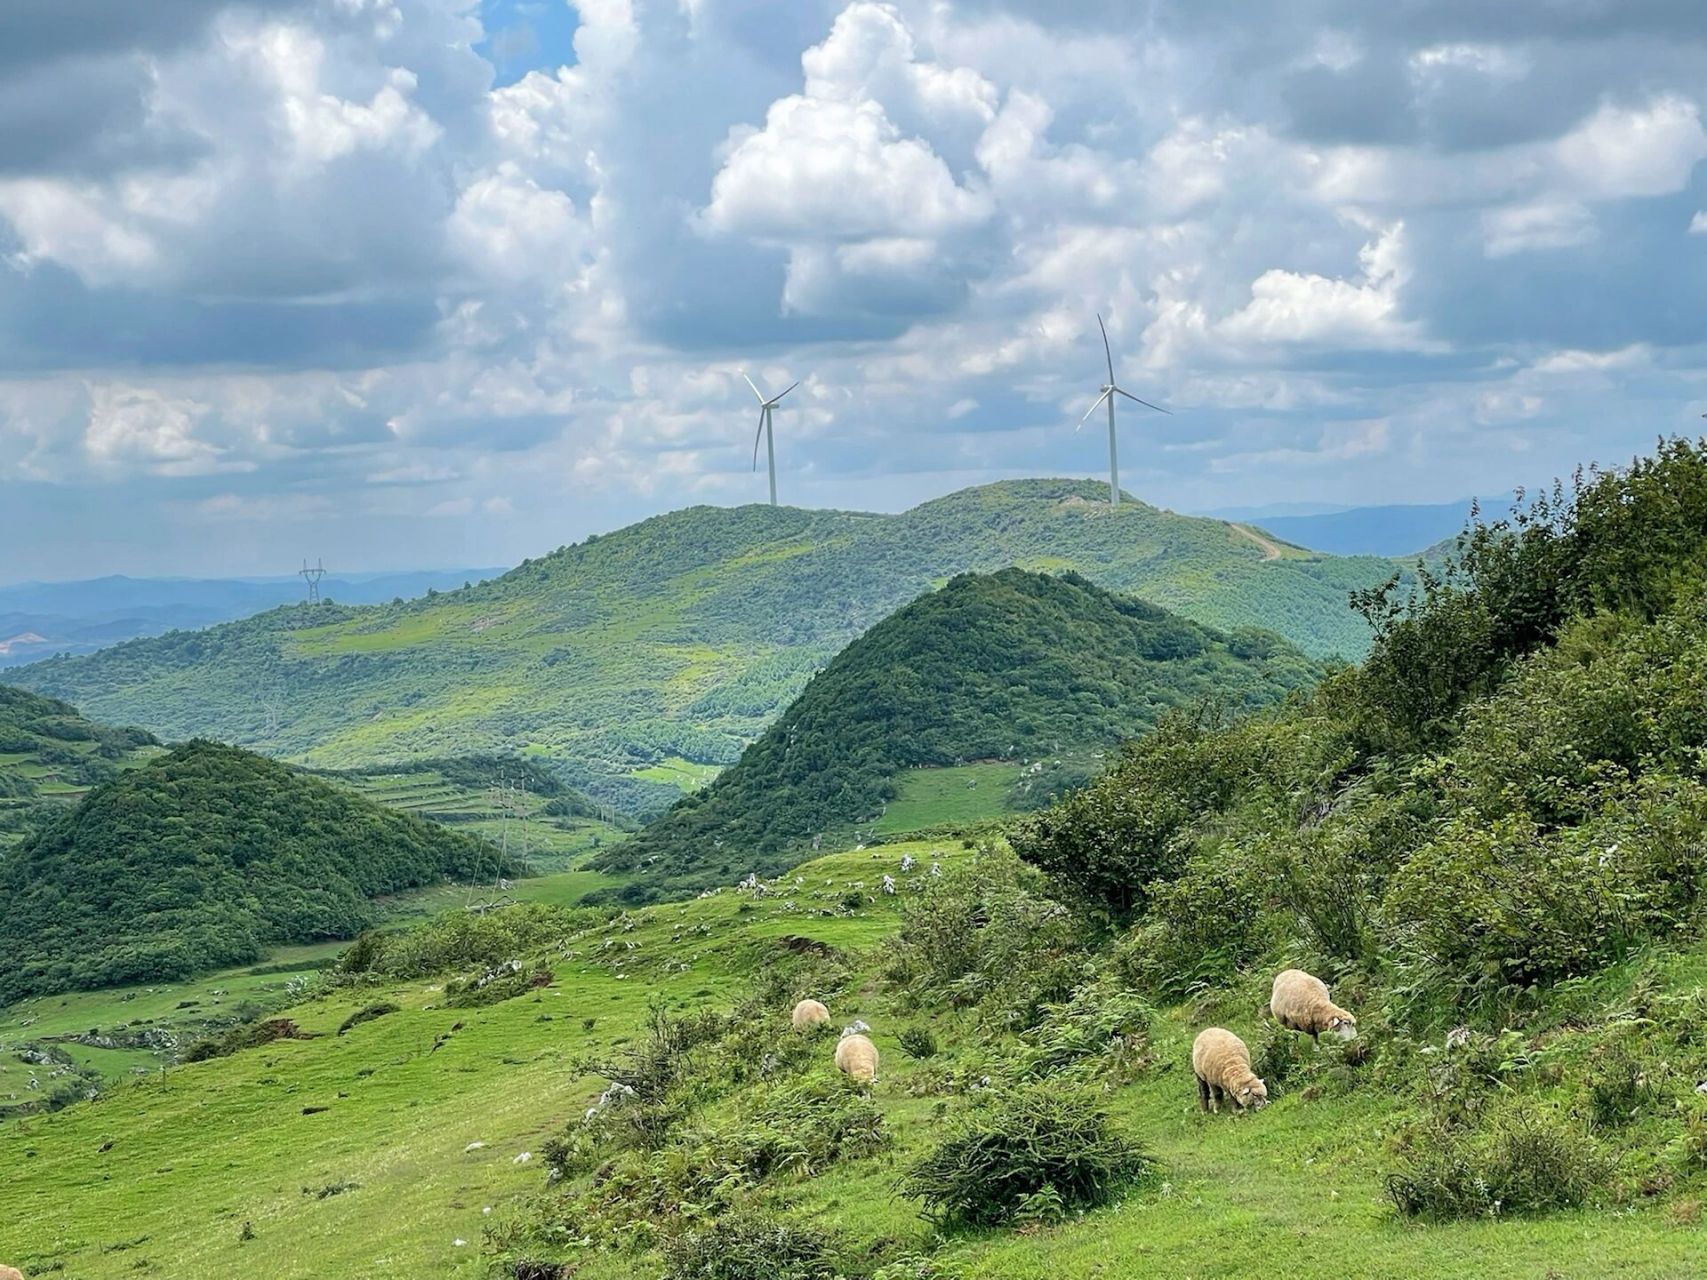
<point>202,858</point>
<point>678,638</point>
<point>1013,666</point>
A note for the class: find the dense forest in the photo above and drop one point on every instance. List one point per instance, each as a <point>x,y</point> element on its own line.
<point>202,858</point>
<point>1011,665</point>
<point>680,636</point>
<point>51,754</point>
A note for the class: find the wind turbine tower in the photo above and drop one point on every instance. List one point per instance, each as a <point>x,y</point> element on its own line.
<point>765,408</point>
<point>1110,389</point>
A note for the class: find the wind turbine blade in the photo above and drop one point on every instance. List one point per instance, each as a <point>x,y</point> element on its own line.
<point>1094,407</point>
<point>1105,347</point>
<point>756,391</point>
<point>779,395</point>
<point>1158,408</point>
<point>757,436</point>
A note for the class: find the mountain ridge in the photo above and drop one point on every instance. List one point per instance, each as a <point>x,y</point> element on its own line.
<point>686,632</point>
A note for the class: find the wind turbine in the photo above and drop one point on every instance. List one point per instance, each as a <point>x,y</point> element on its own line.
<point>1109,390</point>
<point>765,408</point>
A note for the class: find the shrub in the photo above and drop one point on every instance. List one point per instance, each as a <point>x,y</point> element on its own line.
<point>802,1129</point>
<point>1101,1021</point>
<point>368,1014</point>
<point>1111,843</point>
<point>750,1246</point>
<point>917,1042</point>
<point>1523,1160</point>
<point>1202,926</point>
<point>1041,1139</point>
<point>1618,1084</point>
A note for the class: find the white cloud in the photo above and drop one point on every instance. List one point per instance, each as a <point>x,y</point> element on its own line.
<point>140,425</point>
<point>1517,228</point>
<point>1303,307</point>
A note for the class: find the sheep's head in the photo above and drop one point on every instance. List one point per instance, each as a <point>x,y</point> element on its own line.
<point>1252,1094</point>
<point>1343,1025</point>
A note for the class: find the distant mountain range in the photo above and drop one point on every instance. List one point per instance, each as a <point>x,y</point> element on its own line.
<point>38,619</point>
<point>680,637</point>
<point>1392,531</point>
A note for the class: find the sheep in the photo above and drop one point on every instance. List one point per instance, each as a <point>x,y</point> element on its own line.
<point>1300,1002</point>
<point>10,1273</point>
<point>856,1057</point>
<point>1222,1066</point>
<point>808,1014</point>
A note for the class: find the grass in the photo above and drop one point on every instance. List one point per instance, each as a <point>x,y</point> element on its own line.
<point>964,794</point>
<point>677,772</point>
<point>200,1151</point>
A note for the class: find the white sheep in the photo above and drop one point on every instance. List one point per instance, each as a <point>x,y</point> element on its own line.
<point>1222,1066</point>
<point>808,1014</point>
<point>856,1056</point>
<point>10,1273</point>
<point>1299,1002</point>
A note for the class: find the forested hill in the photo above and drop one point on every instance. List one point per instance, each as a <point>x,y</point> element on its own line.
<point>1011,665</point>
<point>50,752</point>
<point>200,859</point>
<point>681,635</point>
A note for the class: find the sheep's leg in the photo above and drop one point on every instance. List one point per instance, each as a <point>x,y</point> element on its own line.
<point>1218,1096</point>
<point>1316,1040</point>
<point>1202,1094</point>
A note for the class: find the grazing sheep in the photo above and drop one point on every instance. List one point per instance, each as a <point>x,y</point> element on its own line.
<point>809,1013</point>
<point>1300,1002</point>
<point>10,1273</point>
<point>1222,1065</point>
<point>856,1058</point>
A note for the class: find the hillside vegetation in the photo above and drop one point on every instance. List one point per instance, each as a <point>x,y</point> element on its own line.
<point>50,753</point>
<point>203,858</point>
<point>1013,665</point>
<point>681,636</point>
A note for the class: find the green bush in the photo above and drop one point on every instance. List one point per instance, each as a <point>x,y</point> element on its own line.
<point>368,1014</point>
<point>1102,1023</point>
<point>917,1042</point>
<point>750,1246</point>
<point>1110,844</point>
<point>1522,1159</point>
<point>1041,1141</point>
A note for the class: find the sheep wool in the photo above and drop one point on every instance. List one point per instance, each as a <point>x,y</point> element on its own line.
<point>809,1013</point>
<point>1222,1066</point>
<point>856,1058</point>
<point>10,1273</point>
<point>1300,1002</point>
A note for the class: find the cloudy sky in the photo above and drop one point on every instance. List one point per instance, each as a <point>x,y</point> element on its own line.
<point>418,282</point>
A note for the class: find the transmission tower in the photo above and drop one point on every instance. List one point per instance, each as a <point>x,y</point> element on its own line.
<point>312,578</point>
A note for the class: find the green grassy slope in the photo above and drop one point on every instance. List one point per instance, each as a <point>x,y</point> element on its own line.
<point>679,636</point>
<point>1011,665</point>
<point>51,754</point>
<point>160,1178</point>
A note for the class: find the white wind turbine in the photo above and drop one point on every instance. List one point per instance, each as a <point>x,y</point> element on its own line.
<point>1109,391</point>
<point>765,408</point>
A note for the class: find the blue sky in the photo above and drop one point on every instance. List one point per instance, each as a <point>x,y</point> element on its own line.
<point>410,282</point>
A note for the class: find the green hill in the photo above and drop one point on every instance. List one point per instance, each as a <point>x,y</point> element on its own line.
<point>50,753</point>
<point>679,637</point>
<point>204,857</point>
<point>1011,666</point>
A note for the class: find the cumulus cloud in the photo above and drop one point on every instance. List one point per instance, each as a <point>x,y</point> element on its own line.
<point>261,255</point>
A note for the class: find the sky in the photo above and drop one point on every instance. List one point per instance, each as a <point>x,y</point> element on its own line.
<point>403,283</point>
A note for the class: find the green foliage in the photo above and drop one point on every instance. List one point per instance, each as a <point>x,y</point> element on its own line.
<point>1101,1024</point>
<point>1112,843</point>
<point>50,755</point>
<point>202,859</point>
<point>750,1246</point>
<point>1521,1159</point>
<point>917,1041</point>
<point>1041,1143</point>
<point>1010,665</point>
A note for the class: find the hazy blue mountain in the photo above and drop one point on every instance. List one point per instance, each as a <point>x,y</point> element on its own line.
<point>42,618</point>
<point>1400,530</point>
